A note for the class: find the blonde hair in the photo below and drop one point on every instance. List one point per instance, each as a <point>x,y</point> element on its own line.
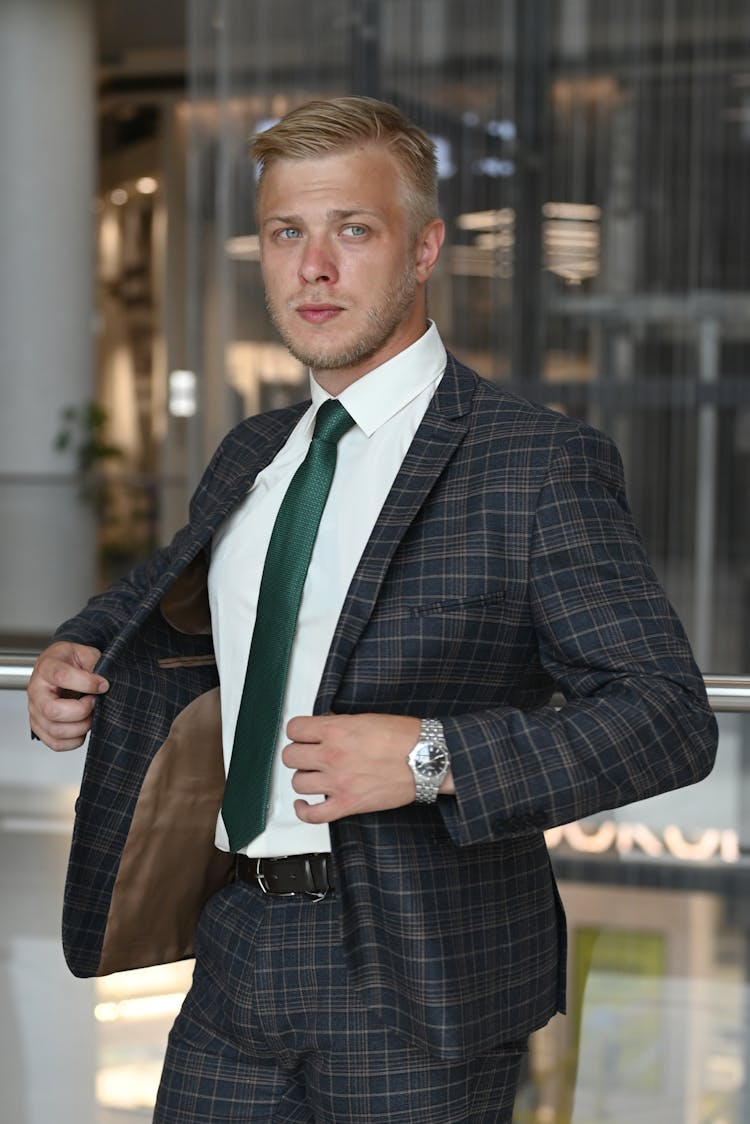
<point>329,125</point>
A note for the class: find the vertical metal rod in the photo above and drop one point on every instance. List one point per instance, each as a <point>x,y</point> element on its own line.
<point>532,107</point>
<point>709,344</point>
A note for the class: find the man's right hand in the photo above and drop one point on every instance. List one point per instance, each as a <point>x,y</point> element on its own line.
<point>62,692</point>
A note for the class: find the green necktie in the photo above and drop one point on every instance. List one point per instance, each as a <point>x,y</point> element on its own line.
<point>284,573</point>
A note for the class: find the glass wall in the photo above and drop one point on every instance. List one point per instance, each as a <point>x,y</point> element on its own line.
<point>595,165</point>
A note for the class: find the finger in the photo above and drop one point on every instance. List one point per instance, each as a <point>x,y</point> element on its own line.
<point>68,668</point>
<point>53,719</point>
<point>310,783</point>
<point>301,755</point>
<point>86,656</point>
<point>325,812</point>
<point>69,680</point>
<point>59,735</point>
<point>67,729</point>
<point>321,754</point>
<point>64,738</point>
<point>58,721</point>
<point>307,728</point>
<point>54,708</point>
<point>60,745</point>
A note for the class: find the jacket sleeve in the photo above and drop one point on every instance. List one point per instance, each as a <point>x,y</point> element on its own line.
<point>636,720</point>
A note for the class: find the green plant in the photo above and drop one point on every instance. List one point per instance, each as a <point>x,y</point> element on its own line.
<point>83,430</point>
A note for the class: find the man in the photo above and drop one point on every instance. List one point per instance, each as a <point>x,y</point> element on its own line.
<point>389,932</point>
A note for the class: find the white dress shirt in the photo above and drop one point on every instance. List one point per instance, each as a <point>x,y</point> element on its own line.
<point>387,406</point>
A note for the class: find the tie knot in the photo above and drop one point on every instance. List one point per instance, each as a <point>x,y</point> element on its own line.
<point>332,421</point>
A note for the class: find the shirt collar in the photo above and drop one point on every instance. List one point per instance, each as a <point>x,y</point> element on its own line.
<point>381,393</point>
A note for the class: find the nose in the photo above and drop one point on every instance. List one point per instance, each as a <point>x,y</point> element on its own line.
<point>317,263</point>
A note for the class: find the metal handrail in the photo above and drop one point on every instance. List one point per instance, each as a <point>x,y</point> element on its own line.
<point>15,670</point>
<point>726,693</point>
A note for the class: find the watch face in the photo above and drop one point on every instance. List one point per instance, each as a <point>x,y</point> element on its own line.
<point>431,760</point>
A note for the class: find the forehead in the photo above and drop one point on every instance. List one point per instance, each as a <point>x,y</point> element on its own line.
<point>366,176</point>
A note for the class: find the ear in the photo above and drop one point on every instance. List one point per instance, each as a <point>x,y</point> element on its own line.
<point>427,250</point>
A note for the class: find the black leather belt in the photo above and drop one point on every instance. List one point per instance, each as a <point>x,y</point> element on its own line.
<point>289,875</point>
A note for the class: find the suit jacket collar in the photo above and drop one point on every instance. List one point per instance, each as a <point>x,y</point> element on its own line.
<point>253,444</point>
<point>451,402</point>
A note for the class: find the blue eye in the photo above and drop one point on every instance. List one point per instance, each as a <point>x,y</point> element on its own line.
<point>356,229</point>
<point>288,232</point>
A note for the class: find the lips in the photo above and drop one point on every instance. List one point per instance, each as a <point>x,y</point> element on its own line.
<point>318,313</point>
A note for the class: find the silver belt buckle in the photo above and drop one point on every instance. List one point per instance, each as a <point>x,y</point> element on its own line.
<point>260,877</point>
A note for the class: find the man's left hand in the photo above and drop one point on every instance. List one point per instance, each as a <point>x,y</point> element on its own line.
<point>357,761</point>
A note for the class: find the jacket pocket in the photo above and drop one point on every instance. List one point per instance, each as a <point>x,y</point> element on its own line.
<point>458,604</point>
<point>188,661</point>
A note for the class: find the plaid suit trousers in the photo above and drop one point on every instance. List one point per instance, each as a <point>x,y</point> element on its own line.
<point>272,1031</point>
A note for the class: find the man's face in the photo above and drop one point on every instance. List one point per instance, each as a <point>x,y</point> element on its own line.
<point>344,274</point>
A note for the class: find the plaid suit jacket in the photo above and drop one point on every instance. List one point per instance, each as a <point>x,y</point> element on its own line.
<point>504,565</point>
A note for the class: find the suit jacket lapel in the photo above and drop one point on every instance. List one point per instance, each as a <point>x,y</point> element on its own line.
<point>443,428</point>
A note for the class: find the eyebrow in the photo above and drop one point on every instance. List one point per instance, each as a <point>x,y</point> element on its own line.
<point>334,214</point>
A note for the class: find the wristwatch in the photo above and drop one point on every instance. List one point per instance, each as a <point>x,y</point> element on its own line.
<point>429,761</point>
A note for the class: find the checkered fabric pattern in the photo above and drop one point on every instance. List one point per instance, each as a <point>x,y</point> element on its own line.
<point>272,1030</point>
<point>504,565</point>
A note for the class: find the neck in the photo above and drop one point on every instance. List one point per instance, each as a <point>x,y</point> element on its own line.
<point>335,380</point>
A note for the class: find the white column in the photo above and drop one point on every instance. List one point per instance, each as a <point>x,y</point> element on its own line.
<point>46,187</point>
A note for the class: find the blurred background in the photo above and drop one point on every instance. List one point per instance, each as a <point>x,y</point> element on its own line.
<point>595,182</point>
